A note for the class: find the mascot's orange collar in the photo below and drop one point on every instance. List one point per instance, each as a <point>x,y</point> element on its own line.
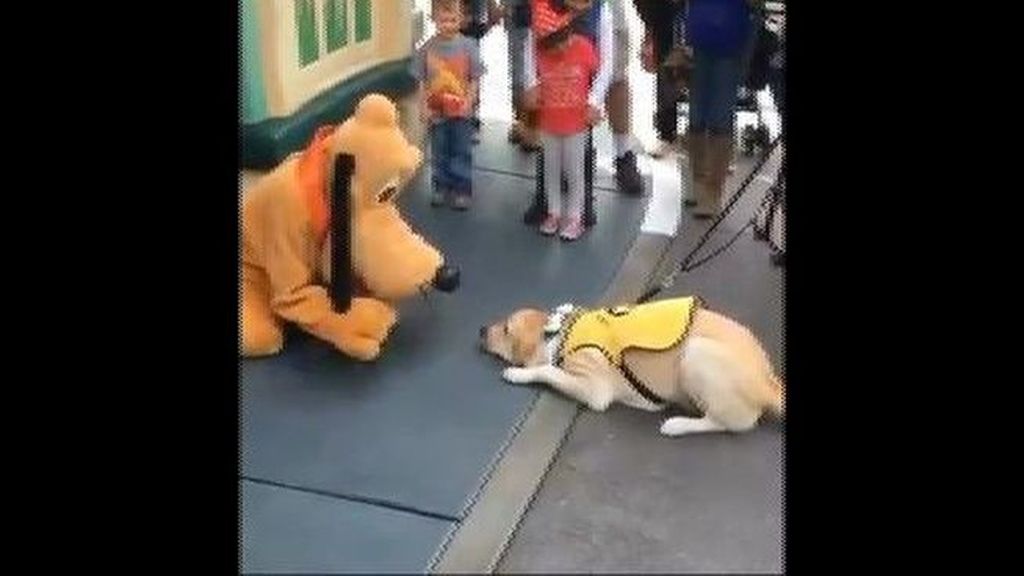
<point>312,175</point>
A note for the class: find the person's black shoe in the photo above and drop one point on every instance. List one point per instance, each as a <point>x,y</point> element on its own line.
<point>538,209</point>
<point>535,213</point>
<point>746,101</point>
<point>627,177</point>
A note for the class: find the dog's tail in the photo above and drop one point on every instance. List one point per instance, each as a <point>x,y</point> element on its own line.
<point>775,401</point>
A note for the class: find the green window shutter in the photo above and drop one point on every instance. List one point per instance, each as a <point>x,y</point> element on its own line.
<point>336,23</point>
<point>254,101</point>
<point>305,22</point>
<point>364,20</point>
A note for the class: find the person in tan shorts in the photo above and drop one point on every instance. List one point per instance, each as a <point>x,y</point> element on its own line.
<point>617,109</point>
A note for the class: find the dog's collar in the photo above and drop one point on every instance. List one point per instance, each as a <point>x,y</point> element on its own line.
<point>551,344</point>
<point>553,330</point>
<point>557,319</point>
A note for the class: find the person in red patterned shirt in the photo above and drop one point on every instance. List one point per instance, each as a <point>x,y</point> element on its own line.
<point>566,65</point>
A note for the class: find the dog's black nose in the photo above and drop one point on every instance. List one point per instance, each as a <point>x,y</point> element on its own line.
<point>483,331</point>
<point>447,278</point>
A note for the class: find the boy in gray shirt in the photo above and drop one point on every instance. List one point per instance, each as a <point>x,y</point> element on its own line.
<point>448,68</point>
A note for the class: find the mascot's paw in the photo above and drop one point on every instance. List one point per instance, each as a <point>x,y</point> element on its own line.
<point>259,348</point>
<point>371,318</point>
<point>360,348</point>
<point>360,332</point>
<point>260,335</point>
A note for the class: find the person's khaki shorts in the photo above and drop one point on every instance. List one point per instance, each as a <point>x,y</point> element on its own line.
<point>620,64</point>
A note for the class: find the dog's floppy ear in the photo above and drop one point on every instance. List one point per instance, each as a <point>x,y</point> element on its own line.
<point>523,349</point>
<point>525,346</point>
<point>341,223</point>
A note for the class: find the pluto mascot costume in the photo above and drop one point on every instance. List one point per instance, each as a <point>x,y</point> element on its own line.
<point>324,246</point>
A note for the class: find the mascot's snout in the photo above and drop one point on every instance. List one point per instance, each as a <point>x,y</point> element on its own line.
<point>447,278</point>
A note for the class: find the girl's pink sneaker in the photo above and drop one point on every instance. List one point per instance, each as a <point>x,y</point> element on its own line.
<point>572,230</point>
<point>549,226</point>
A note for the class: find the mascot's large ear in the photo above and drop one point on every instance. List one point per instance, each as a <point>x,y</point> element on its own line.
<point>341,226</point>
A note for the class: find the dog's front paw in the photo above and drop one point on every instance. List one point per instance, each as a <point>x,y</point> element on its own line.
<point>516,375</point>
<point>676,426</point>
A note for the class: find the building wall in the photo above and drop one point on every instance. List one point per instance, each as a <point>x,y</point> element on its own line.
<point>254,100</point>
<point>308,46</point>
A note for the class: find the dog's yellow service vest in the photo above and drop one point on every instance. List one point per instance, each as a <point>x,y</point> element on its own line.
<point>654,326</point>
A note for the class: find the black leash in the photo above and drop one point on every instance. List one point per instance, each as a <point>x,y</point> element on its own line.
<point>686,265</point>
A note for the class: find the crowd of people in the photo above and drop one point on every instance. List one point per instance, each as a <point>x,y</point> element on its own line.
<point>568,61</point>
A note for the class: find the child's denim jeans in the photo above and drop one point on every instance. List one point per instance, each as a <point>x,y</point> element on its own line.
<point>451,144</point>
<point>714,84</point>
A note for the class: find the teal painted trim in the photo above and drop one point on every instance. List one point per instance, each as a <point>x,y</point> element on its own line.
<point>265,144</point>
<point>254,93</point>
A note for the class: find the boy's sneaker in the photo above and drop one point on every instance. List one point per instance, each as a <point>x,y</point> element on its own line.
<point>462,201</point>
<point>437,197</point>
<point>550,225</point>
<point>572,230</point>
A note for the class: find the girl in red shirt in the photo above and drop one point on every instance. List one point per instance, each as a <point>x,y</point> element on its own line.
<point>566,64</point>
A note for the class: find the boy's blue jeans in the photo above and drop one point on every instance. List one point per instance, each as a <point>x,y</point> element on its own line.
<point>451,145</point>
<point>714,83</point>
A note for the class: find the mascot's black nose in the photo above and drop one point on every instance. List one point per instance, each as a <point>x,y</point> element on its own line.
<point>483,331</point>
<point>447,278</point>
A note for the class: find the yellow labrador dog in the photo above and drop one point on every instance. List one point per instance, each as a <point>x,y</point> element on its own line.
<point>649,356</point>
